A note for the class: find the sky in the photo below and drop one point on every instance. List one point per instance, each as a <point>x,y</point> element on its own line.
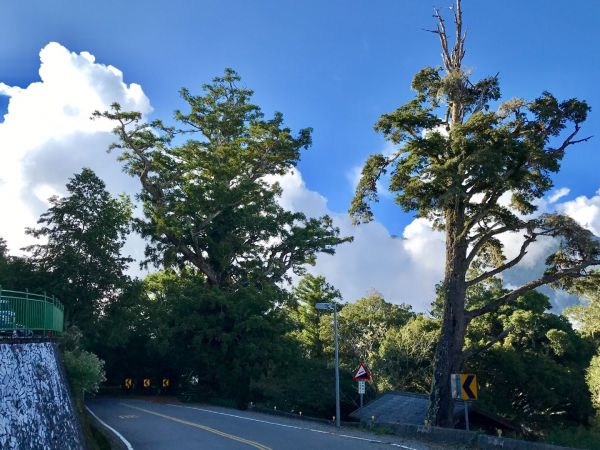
<point>335,66</point>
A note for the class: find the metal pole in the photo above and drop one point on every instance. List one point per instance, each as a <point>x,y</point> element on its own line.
<point>466,414</point>
<point>337,369</point>
<point>361,400</point>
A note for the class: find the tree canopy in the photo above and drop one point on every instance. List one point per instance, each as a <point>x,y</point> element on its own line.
<point>84,234</point>
<point>209,201</point>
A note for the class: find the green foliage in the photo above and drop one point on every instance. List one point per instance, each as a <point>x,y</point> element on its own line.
<point>309,291</point>
<point>307,385</point>
<point>211,202</point>
<point>404,360</point>
<point>592,377</point>
<point>225,339</point>
<point>534,375</point>
<point>362,327</point>
<point>576,437</point>
<point>18,273</point>
<point>85,371</point>
<point>84,232</point>
<point>587,315</point>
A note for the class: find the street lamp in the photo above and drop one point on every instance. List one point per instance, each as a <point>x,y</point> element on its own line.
<point>333,307</point>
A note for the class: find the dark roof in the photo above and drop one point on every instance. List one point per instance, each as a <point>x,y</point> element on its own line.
<point>410,408</point>
<point>397,407</point>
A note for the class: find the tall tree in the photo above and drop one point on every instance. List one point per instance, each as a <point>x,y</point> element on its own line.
<point>207,201</point>
<point>311,290</point>
<point>84,232</point>
<point>456,157</point>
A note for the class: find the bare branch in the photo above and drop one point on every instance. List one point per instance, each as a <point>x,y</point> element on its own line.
<point>488,203</point>
<point>459,51</point>
<point>570,141</point>
<point>546,279</point>
<point>482,241</point>
<point>441,31</point>
<point>484,276</point>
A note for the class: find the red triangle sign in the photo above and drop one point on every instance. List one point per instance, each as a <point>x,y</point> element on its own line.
<point>362,373</point>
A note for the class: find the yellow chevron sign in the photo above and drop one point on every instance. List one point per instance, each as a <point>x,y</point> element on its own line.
<point>464,386</point>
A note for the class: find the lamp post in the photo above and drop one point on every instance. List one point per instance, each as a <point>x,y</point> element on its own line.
<point>333,307</point>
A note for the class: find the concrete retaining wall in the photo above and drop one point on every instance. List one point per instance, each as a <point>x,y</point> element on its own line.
<point>36,409</point>
<point>468,438</point>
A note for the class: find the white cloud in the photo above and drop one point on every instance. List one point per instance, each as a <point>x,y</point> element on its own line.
<point>558,194</point>
<point>404,270</point>
<point>586,211</point>
<point>47,134</point>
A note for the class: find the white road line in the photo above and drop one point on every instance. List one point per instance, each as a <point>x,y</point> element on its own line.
<point>375,441</point>
<point>119,435</point>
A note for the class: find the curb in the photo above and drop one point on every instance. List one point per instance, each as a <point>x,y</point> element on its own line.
<point>115,439</point>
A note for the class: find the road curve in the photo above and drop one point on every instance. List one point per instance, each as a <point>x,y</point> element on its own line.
<point>159,426</point>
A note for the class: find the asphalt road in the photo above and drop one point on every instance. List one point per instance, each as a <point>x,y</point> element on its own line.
<point>161,426</point>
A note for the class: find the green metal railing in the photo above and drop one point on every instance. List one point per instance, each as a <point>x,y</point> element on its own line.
<point>26,313</point>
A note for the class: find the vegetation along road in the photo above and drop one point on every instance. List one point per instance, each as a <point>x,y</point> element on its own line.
<point>152,426</point>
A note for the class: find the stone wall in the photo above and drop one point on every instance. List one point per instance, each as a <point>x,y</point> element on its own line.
<point>36,409</point>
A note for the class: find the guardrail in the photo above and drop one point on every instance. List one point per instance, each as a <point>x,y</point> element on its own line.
<point>24,313</point>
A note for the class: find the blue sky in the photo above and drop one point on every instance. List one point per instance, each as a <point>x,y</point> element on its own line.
<point>332,65</point>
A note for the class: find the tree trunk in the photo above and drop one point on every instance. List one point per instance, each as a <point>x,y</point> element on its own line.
<point>448,356</point>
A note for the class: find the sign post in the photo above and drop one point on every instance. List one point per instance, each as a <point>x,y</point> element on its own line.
<point>361,374</point>
<point>464,387</point>
<point>333,307</point>
<point>361,391</point>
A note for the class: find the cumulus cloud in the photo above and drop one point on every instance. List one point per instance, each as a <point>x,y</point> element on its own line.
<point>586,211</point>
<point>404,269</point>
<point>47,134</point>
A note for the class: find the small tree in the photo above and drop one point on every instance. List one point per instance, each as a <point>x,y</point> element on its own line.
<point>311,290</point>
<point>363,326</point>
<point>85,232</point>
<point>456,157</point>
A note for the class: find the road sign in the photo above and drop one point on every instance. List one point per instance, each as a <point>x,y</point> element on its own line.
<point>128,383</point>
<point>361,387</point>
<point>166,382</point>
<point>464,386</point>
<point>146,382</point>
<point>362,373</point>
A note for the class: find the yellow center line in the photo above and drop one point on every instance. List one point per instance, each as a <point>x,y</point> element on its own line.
<point>203,427</point>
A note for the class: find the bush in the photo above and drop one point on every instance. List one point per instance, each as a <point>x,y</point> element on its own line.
<point>577,437</point>
<point>85,371</point>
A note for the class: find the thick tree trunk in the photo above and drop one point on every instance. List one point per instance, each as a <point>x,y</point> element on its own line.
<point>448,357</point>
